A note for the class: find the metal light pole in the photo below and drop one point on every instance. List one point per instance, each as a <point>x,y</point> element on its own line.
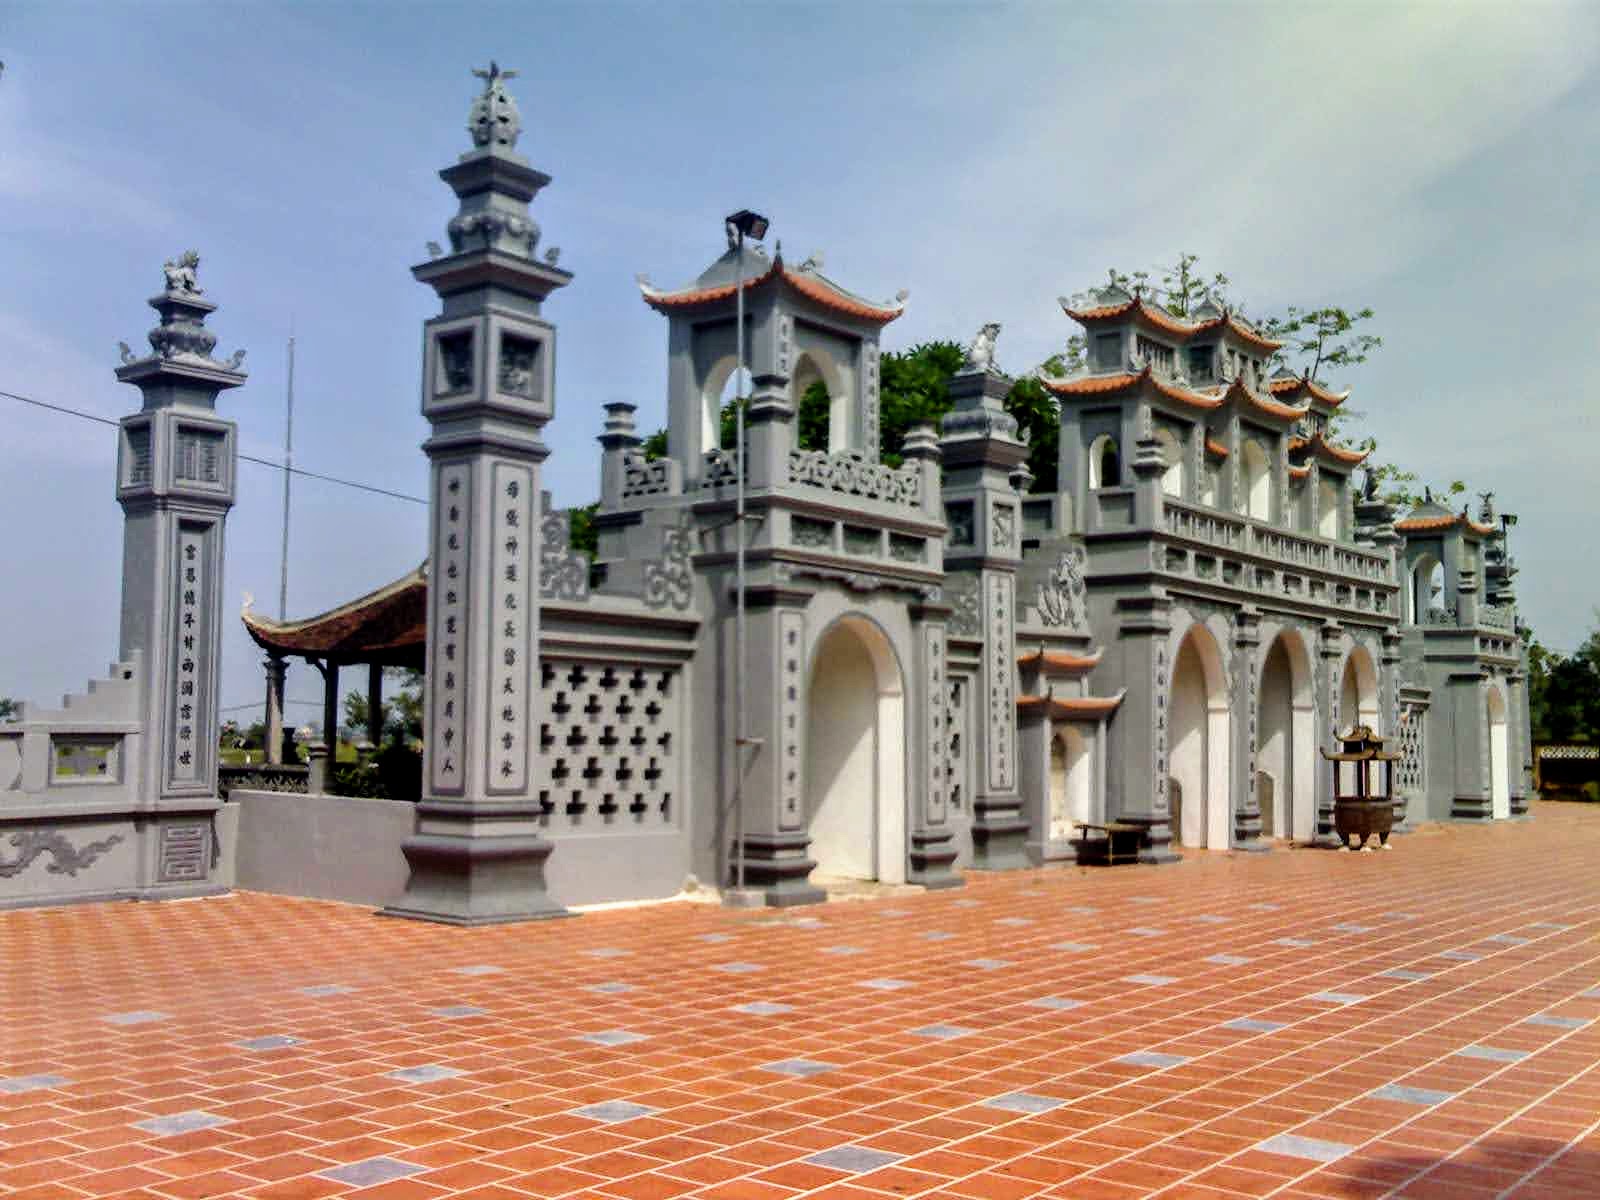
<point>742,223</point>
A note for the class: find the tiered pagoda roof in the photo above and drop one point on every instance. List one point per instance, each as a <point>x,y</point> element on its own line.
<point>388,626</point>
<point>1115,304</point>
<point>1432,517</point>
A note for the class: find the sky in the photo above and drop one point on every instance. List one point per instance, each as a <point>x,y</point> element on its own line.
<point>1439,163</point>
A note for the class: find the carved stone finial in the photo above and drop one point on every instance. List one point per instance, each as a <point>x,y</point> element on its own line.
<point>180,274</point>
<point>553,255</point>
<point>980,354</point>
<point>494,119</point>
<point>125,351</point>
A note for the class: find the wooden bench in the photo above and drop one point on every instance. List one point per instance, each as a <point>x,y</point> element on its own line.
<point>1117,842</point>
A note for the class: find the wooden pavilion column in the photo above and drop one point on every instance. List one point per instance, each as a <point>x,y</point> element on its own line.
<point>330,708</point>
<point>277,673</point>
<point>375,703</point>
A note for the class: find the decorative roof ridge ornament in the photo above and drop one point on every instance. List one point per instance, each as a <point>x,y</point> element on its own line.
<point>493,121</point>
<point>181,335</point>
<point>180,274</point>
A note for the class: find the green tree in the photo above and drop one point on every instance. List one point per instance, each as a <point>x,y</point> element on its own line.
<point>1315,338</point>
<point>402,711</point>
<point>8,709</point>
<point>1564,691</point>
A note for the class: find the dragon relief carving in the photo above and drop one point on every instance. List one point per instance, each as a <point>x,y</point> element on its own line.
<point>67,859</point>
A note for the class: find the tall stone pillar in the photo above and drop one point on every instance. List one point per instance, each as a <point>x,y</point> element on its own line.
<point>981,452</point>
<point>477,856</point>
<point>175,481</point>
<point>277,676</point>
<point>1246,824</point>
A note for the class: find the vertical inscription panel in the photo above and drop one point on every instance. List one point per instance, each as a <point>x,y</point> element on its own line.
<point>448,597</point>
<point>791,677</point>
<point>190,738</point>
<point>937,715</point>
<point>508,746</point>
<point>1000,649</point>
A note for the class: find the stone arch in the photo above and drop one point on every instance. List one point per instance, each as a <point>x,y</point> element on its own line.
<point>1286,739</point>
<point>1426,580</point>
<point>720,385</point>
<point>1499,748</point>
<point>1071,765</point>
<point>1199,723</point>
<point>1257,470</point>
<point>855,767</point>
<point>1327,508</point>
<point>814,363</point>
<point>1105,462</point>
<point>1358,692</point>
<point>1172,456</point>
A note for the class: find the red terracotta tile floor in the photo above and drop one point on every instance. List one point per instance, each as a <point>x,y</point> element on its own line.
<point>1301,1023</point>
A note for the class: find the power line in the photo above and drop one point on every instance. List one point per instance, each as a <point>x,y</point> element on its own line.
<point>250,458</point>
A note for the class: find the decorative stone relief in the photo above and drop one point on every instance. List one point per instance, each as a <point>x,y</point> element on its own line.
<point>66,859</point>
<point>494,119</point>
<point>809,532</point>
<point>563,571</point>
<point>1159,745</point>
<point>1060,596</point>
<point>956,739</point>
<point>719,468</point>
<point>1005,527</point>
<point>851,472</point>
<point>510,664</point>
<point>608,745</point>
<point>791,653</point>
<point>1410,772</point>
<point>958,516</point>
<point>447,592</point>
<point>999,605</point>
<point>669,580</point>
<point>962,596</point>
<point>183,852</point>
<point>642,478</point>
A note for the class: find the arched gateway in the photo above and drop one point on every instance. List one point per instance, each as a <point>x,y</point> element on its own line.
<point>855,755</point>
<point>1200,720</point>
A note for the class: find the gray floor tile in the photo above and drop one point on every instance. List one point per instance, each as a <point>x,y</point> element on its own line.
<point>740,968</point>
<point>1015,921</point>
<point>853,1158</point>
<point>613,1112</point>
<point>326,989</point>
<point>479,969</point>
<point>1254,1025</point>
<point>136,1018</point>
<point>1023,1102</point>
<point>1399,916</point>
<point>608,952</point>
<point>797,1066</point>
<point>428,1074</point>
<point>1143,900</point>
<point>942,1031</point>
<point>1555,925</point>
<point>842,950</point>
<point>1212,919</point>
<point>184,1122</point>
<point>1298,943</point>
<point>1401,973</point>
<point>1152,1058</point>
<point>371,1171</point>
<point>715,938</point>
<point>1352,927</point>
<point>1492,1053</point>
<point>32,1083</point>
<point>807,922</point>
<point>893,912</point>
<point>1083,909</point>
<point>1055,1003</point>
<point>1591,994</point>
<point>937,935</point>
<point>459,1010</point>
<point>611,989</point>
<point>1460,955</point>
<point>1337,997</point>
<point>885,985</point>
<point>1265,907</point>
<point>1228,960</point>
<point>1146,931</point>
<point>763,1008</point>
<point>1507,939</point>
<point>1151,980</point>
<point>966,903</point>
<point>986,964</point>
<point>1295,1146</point>
<point>1556,1022</point>
<point>273,1041</point>
<point>1074,947</point>
<point>613,1037</point>
<point>1410,1095</point>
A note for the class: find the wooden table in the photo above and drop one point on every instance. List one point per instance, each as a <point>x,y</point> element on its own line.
<point>1130,836</point>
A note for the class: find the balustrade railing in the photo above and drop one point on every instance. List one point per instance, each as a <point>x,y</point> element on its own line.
<point>852,473</point>
<point>1230,532</point>
<point>1497,616</point>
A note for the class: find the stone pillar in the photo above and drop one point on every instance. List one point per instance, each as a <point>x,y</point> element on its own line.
<point>1467,597</point>
<point>175,481</point>
<point>1330,651</point>
<point>618,442</point>
<point>320,770</point>
<point>981,451</point>
<point>277,674</point>
<point>330,706</point>
<point>769,432</point>
<point>488,388</point>
<point>1246,823</point>
<point>933,849</point>
<point>375,704</point>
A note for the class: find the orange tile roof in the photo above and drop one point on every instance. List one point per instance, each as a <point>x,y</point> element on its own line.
<point>1300,472</point>
<point>1242,331</point>
<point>1282,412</point>
<point>813,287</point>
<point>1169,323</point>
<point>1447,521</point>
<point>1091,385</point>
<point>1073,707</point>
<point>1215,447</point>
<point>1323,448</point>
<point>1059,661</point>
<point>388,625</point>
<point>1313,388</point>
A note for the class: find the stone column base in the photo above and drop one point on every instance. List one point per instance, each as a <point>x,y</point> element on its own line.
<point>933,855</point>
<point>777,864</point>
<point>999,836</point>
<point>1157,849</point>
<point>463,875</point>
<point>1470,808</point>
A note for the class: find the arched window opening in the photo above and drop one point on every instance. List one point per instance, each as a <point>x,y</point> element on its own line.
<point>1257,481</point>
<point>727,414</point>
<point>1172,455</point>
<point>1105,463</point>
<point>1426,590</point>
<point>1329,495</point>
